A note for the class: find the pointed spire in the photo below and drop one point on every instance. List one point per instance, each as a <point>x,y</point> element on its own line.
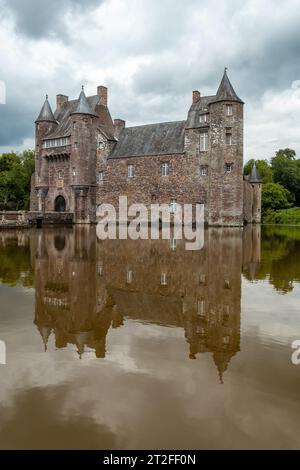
<point>254,175</point>
<point>83,106</point>
<point>45,332</point>
<point>46,113</point>
<point>225,91</point>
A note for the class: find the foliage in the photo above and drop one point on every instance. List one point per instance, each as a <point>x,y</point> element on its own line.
<point>286,171</point>
<point>288,216</point>
<point>15,177</point>
<point>275,197</point>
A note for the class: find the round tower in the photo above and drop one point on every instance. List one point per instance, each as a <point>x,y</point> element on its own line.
<point>83,160</point>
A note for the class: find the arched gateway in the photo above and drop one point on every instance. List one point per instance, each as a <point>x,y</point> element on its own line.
<point>60,204</point>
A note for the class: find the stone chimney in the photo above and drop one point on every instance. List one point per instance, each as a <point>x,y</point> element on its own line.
<point>119,125</point>
<point>102,92</point>
<point>60,100</point>
<point>196,96</point>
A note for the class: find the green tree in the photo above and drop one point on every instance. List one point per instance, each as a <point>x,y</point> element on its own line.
<point>275,197</point>
<point>263,167</point>
<point>286,171</point>
<point>15,176</point>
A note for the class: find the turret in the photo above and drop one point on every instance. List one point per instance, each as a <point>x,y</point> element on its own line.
<point>45,124</point>
<point>83,158</point>
<point>226,156</point>
<point>256,183</point>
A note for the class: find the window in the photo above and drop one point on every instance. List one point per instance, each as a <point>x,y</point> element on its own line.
<point>226,339</point>
<point>74,172</point>
<point>201,307</point>
<point>130,171</point>
<point>129,277</point>
<point>163,279</point>
<point>203,118</point>
<point>203,141</point>
<point>204,171</point>
<point>173,206</point>
<point>100,177</point>
<point>165,169</point>
<point>228,109</point>
<point>57,142</point>
<point>228,137</point>
<point>60,175</point>
<point>228,167</point>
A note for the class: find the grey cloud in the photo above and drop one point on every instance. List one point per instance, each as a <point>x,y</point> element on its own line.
<point>171,48</point>
<point>44,18</point>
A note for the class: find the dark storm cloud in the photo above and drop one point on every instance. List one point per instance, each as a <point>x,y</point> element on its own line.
<point>44,18</point>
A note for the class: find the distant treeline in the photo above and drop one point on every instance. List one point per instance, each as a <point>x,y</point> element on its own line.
<point>281,187</point>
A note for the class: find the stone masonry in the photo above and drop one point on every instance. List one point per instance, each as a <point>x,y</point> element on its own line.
<point>84,159</point>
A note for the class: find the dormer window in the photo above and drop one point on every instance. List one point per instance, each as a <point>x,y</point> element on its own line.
<point>203,118</point>
<point>229,110</point>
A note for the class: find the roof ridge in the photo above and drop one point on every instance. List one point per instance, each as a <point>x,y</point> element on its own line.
<point>155,124</point>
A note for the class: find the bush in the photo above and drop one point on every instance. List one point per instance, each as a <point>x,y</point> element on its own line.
<point>285,216</point>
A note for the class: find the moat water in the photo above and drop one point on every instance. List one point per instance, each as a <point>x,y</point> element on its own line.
<point>142,344</point>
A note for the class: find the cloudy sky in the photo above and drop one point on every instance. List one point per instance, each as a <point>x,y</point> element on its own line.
<point>151,55</point>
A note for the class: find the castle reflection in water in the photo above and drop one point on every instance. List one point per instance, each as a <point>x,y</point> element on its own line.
<point>85,286</point>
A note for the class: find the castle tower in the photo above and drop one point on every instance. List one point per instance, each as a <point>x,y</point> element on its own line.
<point>256,183</point>
<point>44,125</point>
<point>225,199</point>
<point>83,161</point>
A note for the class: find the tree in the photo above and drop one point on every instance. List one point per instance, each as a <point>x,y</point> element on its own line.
<point>15,176</point>
<point>286,171</point>
<point>263,167</point>
<point>275,197</point>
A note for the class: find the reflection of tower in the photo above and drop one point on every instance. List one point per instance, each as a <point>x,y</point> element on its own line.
<point>251,249</point>
<point>199,291</point>
<point>65,273</point>
<point>214,325</point>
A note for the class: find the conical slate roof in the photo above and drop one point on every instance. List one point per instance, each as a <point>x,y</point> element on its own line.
<point>225,91</point>
<point>46,113</point>
<point>83,106</point>
<point>254,175</point>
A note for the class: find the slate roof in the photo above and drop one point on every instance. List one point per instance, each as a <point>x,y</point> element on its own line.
<point>46,113</point>
<point>193,119</point>
<point>254,176</point>
<point>83,106</point>
<point>63,116</point>
<point>152,139</point>
<point>225,91</point>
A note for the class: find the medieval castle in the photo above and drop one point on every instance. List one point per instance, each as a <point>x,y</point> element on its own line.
<point>84,158</point>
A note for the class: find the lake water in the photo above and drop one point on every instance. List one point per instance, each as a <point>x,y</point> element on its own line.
<point>142,344</point>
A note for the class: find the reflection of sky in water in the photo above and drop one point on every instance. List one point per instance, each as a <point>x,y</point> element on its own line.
<point>147,393</point>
